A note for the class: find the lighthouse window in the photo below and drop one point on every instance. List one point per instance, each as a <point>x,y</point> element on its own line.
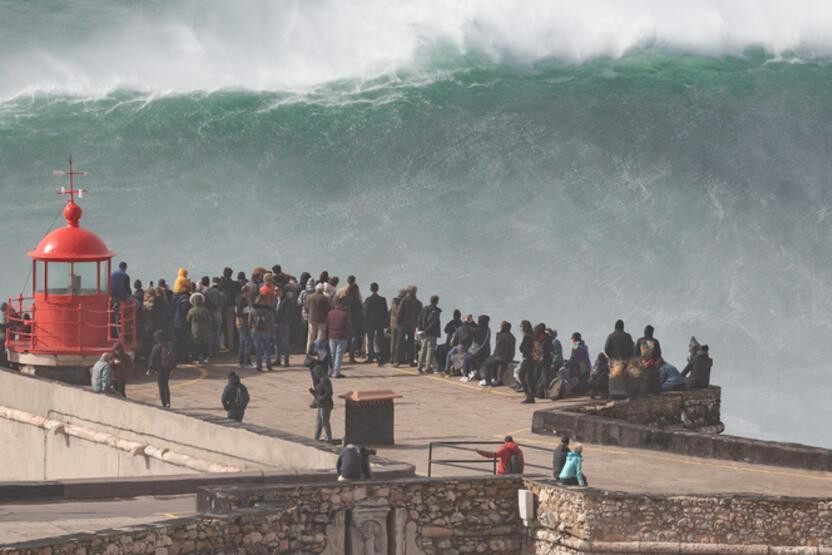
<point>72,278</point>
<point>58,278</point>
<point>85,278</point>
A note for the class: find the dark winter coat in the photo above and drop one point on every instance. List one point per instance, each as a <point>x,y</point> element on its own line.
<point>407,316</point>
<point>559,459</point>
<point>338,323</point>
<point>464,335</point>
<point>450,328</point>
<point>323,392</point>
<point>619,345</point>
<point>505,345</point>
<point>120,285</point>
<point>429,321</point>
<point>236,409</point>
<point>375,312</point>
<point>700,371</point>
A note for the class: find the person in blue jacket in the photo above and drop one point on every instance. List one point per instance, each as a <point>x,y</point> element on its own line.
<point>572,473</point>
<point>120,283</point>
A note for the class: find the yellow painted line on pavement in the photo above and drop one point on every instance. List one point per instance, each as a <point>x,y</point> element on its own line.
<point>455,381</point>
<point>681,459</point>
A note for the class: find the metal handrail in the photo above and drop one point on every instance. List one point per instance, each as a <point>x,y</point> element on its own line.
<point>458,463</point>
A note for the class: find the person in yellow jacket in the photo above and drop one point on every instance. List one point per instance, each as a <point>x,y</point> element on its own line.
<point>182,283</point>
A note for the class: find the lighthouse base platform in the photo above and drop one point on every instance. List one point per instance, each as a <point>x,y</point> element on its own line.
<point>72,369</point>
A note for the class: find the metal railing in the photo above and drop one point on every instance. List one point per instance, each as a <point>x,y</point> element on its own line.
<point>480,460</point>
<point>24,325</point>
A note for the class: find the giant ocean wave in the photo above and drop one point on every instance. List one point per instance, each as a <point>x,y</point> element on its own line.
<point>570,162</point>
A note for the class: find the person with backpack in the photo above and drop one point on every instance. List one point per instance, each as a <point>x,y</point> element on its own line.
<point>619,349</point>
<point>162,362</point>
<point>261,324</point>
<point>509,457</point>
<point>573,473</point>
<point>235,398</point>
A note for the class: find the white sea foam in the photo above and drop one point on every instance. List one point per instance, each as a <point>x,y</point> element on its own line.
<point>292,45</point>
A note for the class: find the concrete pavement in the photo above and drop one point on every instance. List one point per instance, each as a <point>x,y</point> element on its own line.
<point>435,408</point>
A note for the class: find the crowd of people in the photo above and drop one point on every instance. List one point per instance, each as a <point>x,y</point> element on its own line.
<point>269,315</point>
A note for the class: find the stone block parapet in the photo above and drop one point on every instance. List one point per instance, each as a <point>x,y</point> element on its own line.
<point>675,422</point>
<point>587,520</point>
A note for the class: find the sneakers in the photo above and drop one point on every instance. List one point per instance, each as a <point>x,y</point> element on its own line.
<point>527,401</point>
<point>464,379</point>
<point>483,383</point>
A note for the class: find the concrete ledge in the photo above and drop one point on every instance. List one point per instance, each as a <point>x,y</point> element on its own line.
<point>587,427</point>
<point>105,488</point>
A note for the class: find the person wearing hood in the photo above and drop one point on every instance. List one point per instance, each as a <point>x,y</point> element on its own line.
<point>122,366</point>
<point>303,303</point>
<point>202,328</point>
<point>528,370</point>
<point>101,374</point>
<point>572,473</point>
<point>162,362</point>
<point>340,331</point>
<point>480,349</point>
<point>699,369</point>
<point>509,457</point>
<point>430,326</point>
<point>182,283</point>
<point>619,348</point>
<point>648,346</point>
<point>407,318</point>
<point>261,324</point>
<point>322,392</point>
<point>461,341</point>
<point>505,346</point>
<point>375,320</point>
<point>235,398</point>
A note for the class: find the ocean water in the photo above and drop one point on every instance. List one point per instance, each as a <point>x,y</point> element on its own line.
<point>566,162</point>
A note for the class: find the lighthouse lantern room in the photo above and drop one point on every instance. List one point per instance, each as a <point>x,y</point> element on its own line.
<point>70,319</point>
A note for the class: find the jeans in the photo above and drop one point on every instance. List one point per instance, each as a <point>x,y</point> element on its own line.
<point>493,368</point>
<point>229,321</point>
<point>426,360</point>
<point>449,357</point>
<point>322,423</point>
<point>281,333</point>
<point>317,332</point>
<point>337,348</point>
<point>215,347</point>
<point>261,346</point>
<point>246,343</point>
<point>375,338</point>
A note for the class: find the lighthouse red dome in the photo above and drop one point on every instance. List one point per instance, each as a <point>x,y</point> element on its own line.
<point>71,243</point>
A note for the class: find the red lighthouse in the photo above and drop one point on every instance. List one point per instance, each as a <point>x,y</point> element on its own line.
<point>70,319</point>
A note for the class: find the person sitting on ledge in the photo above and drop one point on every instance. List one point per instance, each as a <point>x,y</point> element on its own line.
<point>509,457</point>
<point>699,369</point>
<point>671,378</point>
<point>559,457</point>
<point>354,463</point>
<point>599,378</point>
<point>572,473</point>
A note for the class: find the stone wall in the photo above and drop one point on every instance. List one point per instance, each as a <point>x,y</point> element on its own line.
<point>406,517</point>
<point>653,423</point>
<point>683,409</point>
<point>585,520</point>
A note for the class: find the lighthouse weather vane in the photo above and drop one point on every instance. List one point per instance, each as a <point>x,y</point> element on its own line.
<point>72,191</point>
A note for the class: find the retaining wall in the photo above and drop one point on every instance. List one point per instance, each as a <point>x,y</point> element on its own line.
<point>39,453</point>
<point>649,423</point>
<point>587,520</point>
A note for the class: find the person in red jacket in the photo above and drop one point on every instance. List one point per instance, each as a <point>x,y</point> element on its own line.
<point>509,457</point>
<point>340,332</point>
